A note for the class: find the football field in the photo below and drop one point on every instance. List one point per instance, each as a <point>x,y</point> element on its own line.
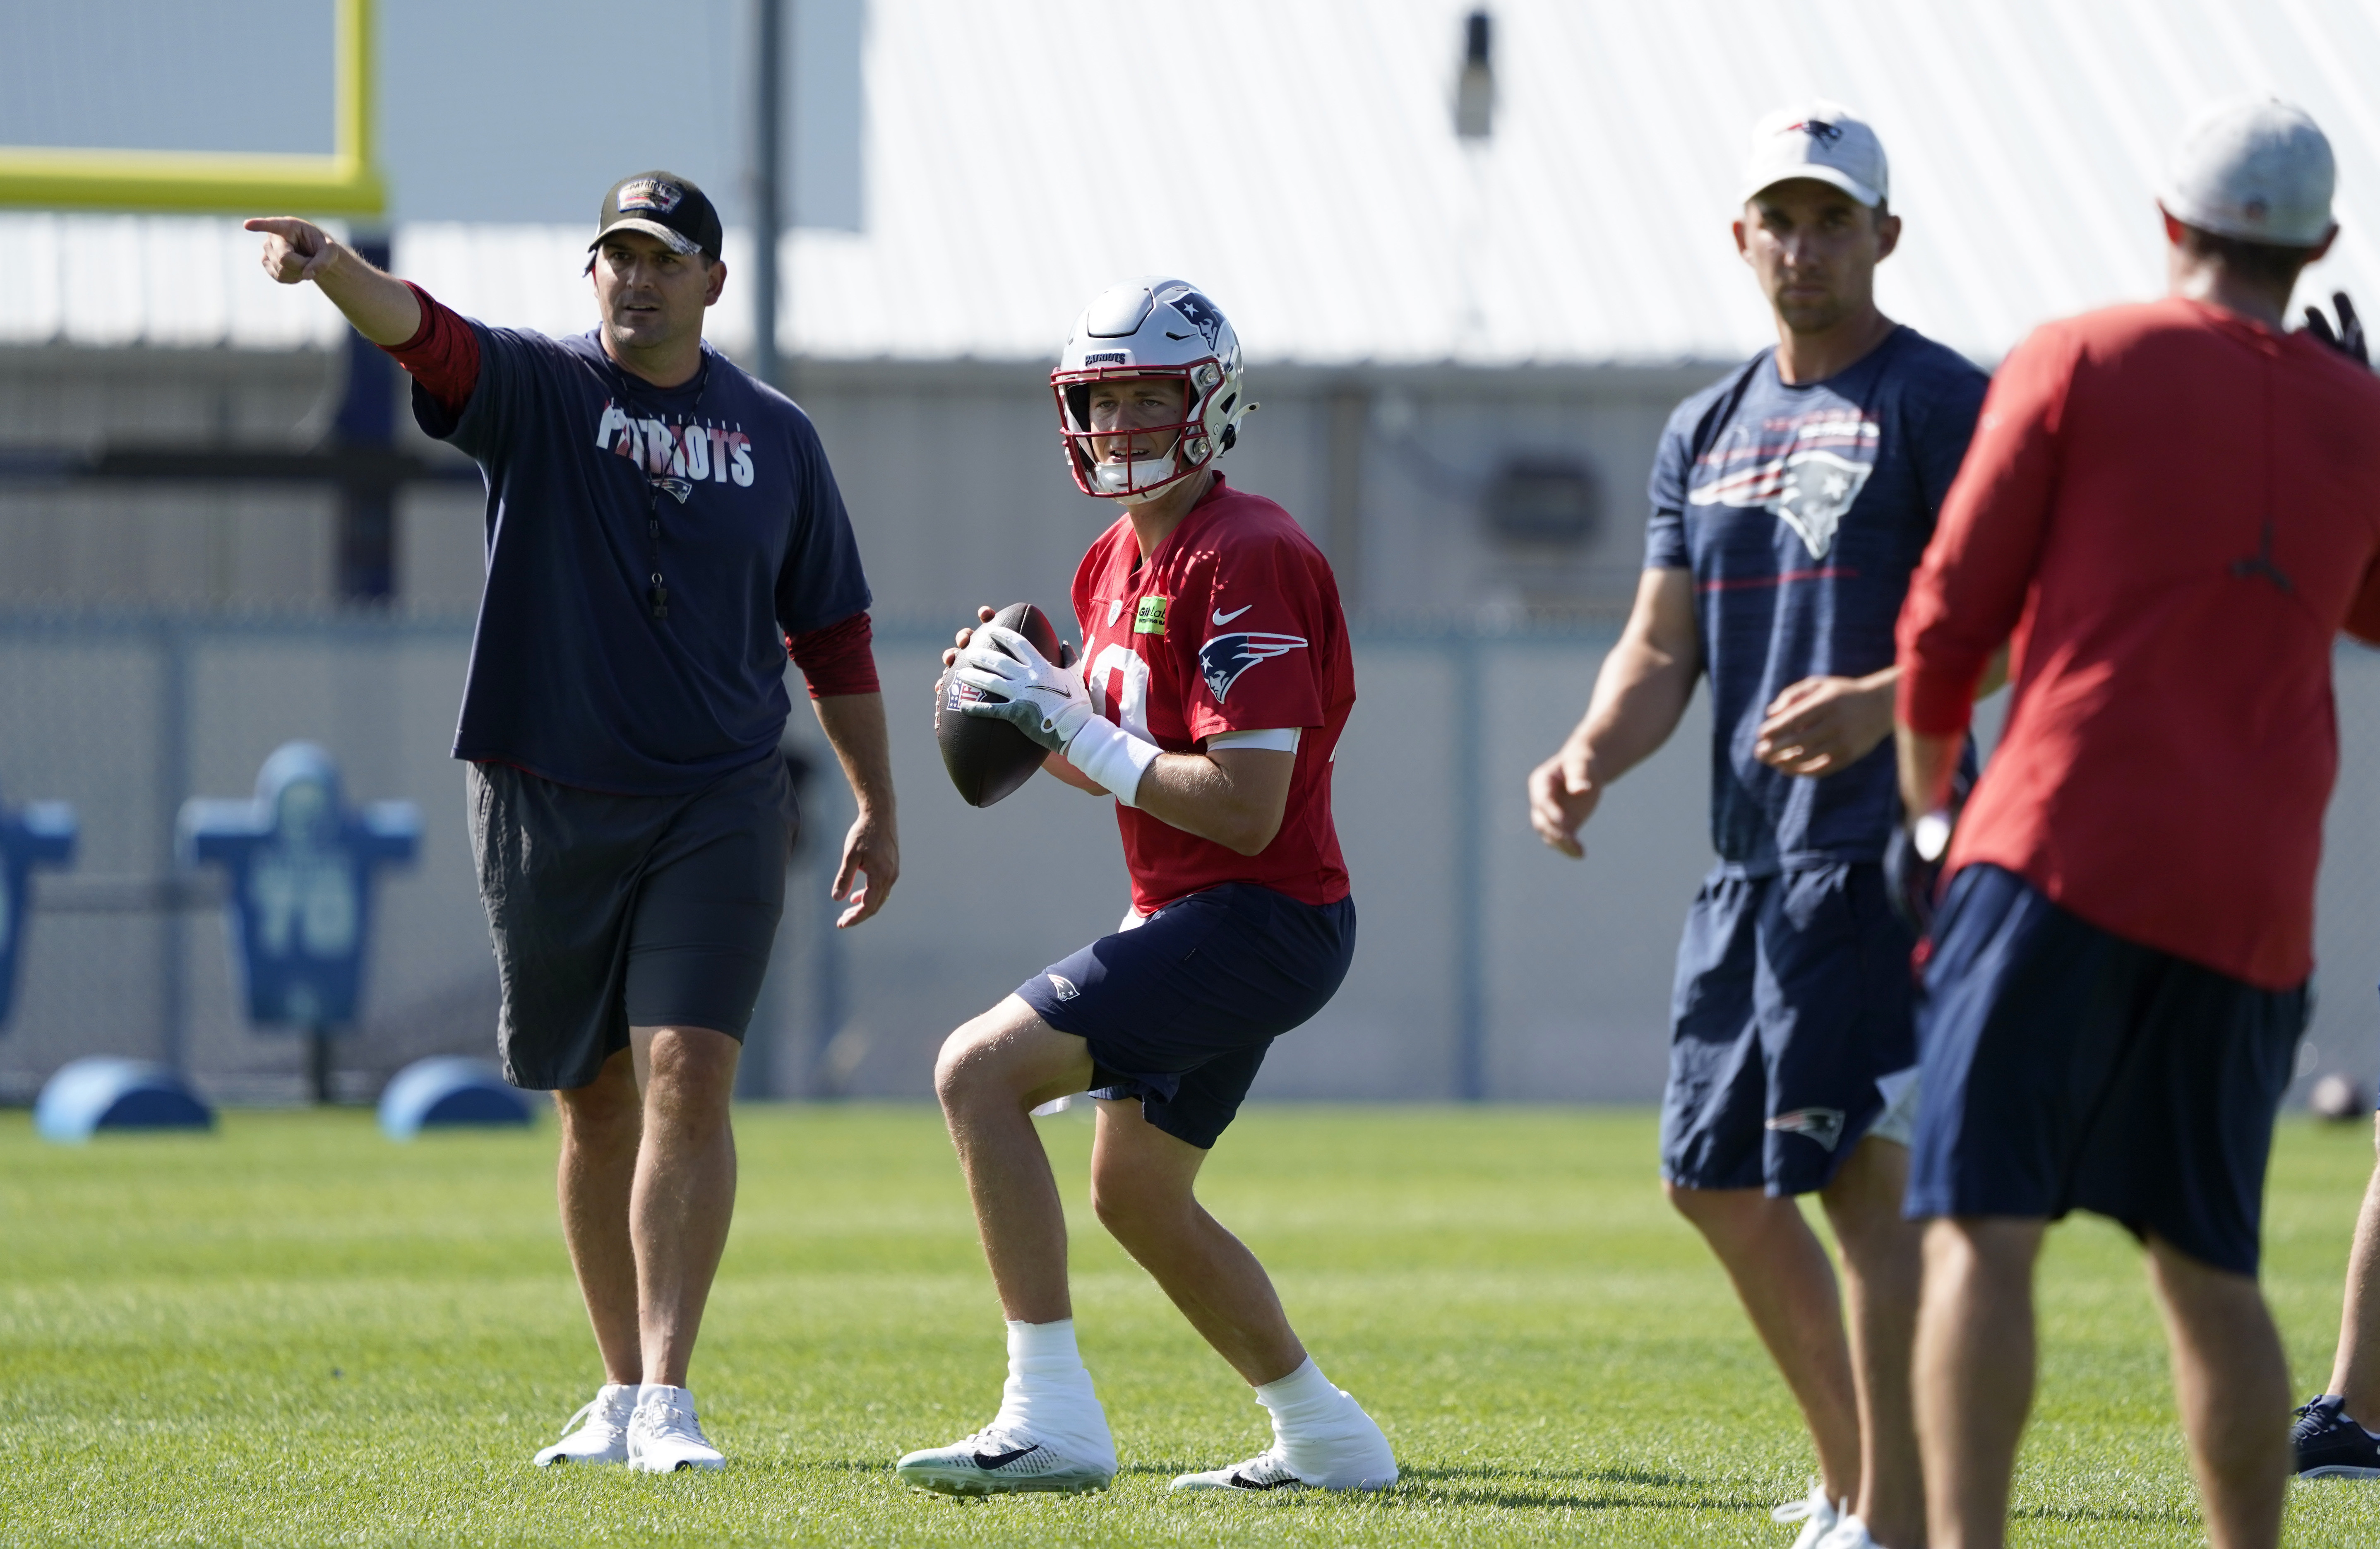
<point>294,1332</point>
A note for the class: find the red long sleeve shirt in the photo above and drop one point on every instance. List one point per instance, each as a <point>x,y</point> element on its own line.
<point>2169,513</point>
<point>444,357</point>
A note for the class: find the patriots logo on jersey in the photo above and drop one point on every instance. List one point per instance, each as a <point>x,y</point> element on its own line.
<point>1807,471</point>
<point>680,488</point>
<point>1223,658</point>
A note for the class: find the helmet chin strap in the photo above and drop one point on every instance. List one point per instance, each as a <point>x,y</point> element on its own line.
<point>1154,475</point>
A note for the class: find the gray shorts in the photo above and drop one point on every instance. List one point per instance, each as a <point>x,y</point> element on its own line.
<point>612,911</point>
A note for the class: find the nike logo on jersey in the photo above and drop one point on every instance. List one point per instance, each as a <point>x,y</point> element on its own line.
<point>1222,617</point>
<point>1002,1459</point>
<point>1224,657</point>
<point>1806,471</point>
<point>1822,1125</point>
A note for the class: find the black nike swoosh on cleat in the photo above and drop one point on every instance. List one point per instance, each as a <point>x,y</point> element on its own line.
<point>1242,1482</point>
<point>1002,1459</point>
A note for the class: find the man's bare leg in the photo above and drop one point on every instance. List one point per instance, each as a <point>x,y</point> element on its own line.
<point>993,1073</point>
<point>685,1191</point>
<point>1974,1372</point>
<point>1051,1432</point>
<point>1881,1259</point>
<point>2355,1372</point>
<point>1141,1186</point>
<point>2233,1383</point>
<point>601,1124</point>
<point>1787,1285</point>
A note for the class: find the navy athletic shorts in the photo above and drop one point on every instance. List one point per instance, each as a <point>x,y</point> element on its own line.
<point>1180,1010</point>
<point>1794,997</point>
<point>609,911</point>
<point>2067,1068</point>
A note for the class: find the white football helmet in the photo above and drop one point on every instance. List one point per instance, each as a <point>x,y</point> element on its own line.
<point>1151,326</point>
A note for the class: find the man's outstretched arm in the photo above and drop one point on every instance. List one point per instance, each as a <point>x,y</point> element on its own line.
<point>382,307</point>
<point>1639,697</point>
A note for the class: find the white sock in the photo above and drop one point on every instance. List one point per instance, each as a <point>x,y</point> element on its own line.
<point>1050,1394</point>
<point>1325,1436</point>
<point>1299,1399</point>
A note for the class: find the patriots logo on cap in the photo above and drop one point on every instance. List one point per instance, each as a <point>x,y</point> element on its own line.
<point>1224,657</point>
<point>1817,130</point>
<point>650,193</point>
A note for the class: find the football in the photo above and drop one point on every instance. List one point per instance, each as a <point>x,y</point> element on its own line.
<point>989,759</point>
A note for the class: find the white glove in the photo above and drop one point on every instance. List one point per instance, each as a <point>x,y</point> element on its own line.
<point>1047,701</point>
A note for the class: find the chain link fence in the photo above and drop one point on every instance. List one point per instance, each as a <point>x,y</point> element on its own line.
<point>1486,967</point>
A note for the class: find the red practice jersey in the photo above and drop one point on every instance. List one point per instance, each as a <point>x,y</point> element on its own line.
<point>1231,625</point>
<point>2169,513</point>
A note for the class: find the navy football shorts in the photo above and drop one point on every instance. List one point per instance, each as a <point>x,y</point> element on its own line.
<point>609,911</point>
<point>1794,997</point>
<point>1180,1010</point>
<point>2067,1068</point>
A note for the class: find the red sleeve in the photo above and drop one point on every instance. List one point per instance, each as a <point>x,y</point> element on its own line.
<point>2363,618</point>
<point>1969,592</point>
<point>1260,627</point>
<point>443,355</point>
<point>838,659</point>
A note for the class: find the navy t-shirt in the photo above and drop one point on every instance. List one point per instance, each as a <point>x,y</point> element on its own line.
<point>1801,511</point>
<point>572,677</point>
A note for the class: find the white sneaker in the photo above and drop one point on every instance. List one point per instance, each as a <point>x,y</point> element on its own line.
<point>1848,1533</point>
<point>604,1436</point>
<point>1353,1455</point>
<point>663,1435</point>
<point>1816,1513</point>
<point>1001,1459</point>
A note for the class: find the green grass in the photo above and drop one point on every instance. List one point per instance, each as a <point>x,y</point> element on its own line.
<point>294,1332</point>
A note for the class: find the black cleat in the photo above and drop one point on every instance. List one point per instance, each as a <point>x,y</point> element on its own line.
<point>2330,1444</point>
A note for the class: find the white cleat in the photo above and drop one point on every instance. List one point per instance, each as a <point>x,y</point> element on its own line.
<point>1000,1460</point>
<point>1818,1515</point>
<point>1353,1455</point>
<point>663,1435</point>
<point>603,1436</point>
<point>1848,1533</point>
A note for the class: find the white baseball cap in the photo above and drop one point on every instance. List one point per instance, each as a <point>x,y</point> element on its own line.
<point>1820,140</point>
<point>2253,168</point>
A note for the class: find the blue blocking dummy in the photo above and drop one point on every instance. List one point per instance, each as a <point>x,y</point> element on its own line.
<point>300,865</point>
<point>448,1090</point>
<point>101,1093</point>
<point>39,834</point>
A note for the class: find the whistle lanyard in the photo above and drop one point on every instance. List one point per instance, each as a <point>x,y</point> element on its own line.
<point>656,587</point>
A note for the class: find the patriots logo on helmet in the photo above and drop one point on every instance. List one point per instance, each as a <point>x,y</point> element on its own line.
<point>1223,658</point>
<point>1822,1125</point>
<point>680,488</point>
<point>1200,314</point>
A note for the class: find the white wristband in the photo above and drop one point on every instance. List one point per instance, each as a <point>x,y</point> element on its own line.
<point>1112,756</point>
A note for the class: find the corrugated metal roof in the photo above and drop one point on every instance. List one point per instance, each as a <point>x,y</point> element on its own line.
<point>1297,159</point>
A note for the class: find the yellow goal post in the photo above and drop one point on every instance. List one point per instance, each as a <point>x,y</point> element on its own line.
<point>345,182</point>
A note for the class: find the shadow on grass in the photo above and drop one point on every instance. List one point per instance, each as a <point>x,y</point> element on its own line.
<point>2105,1514</point>
<point>1488,1486</point>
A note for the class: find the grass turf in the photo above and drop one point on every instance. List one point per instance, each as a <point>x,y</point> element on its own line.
<point>294,1332</point>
